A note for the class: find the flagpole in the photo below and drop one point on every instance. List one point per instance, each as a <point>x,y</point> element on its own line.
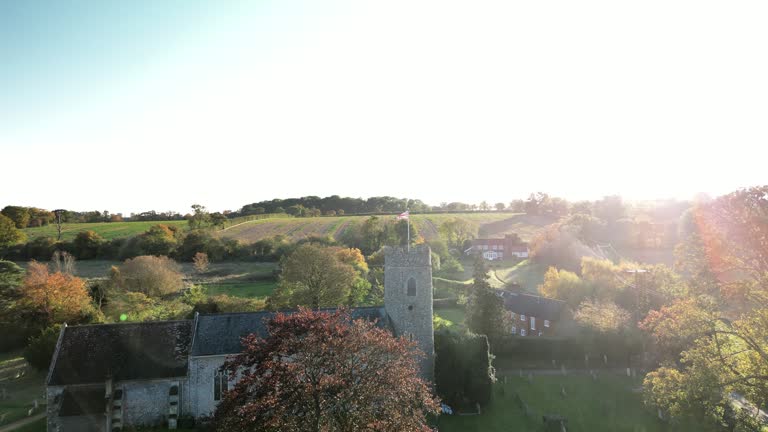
<point>408,223</point>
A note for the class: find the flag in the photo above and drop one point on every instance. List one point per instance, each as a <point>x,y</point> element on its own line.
<point>403,215</point>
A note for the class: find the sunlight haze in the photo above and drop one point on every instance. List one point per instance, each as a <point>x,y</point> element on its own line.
<point>171,103</point>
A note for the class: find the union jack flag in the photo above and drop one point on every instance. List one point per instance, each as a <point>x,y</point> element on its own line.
<point>403,215</point>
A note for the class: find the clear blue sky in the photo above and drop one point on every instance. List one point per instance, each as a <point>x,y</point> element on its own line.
<point>137,105</point>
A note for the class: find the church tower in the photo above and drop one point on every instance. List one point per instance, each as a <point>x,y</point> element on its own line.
<point>408,298</point>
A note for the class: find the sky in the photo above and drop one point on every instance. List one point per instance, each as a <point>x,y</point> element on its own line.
<point>136,105</point>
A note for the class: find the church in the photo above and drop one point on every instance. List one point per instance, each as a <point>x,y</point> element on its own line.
<point>108,377</point>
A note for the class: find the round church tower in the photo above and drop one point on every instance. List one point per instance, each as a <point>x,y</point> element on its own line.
<point>408,298</point>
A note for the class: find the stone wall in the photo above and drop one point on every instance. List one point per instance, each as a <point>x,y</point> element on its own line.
<point>53,401</point>
<point>201,373</point>
<point>146,403</point>
<point>411,315</point>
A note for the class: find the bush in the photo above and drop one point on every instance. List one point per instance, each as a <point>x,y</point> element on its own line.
<point>40,349</point>
<point>150,275</point>
<point>464,373</point>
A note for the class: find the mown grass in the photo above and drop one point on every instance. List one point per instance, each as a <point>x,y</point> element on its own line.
<point>21,393</point>
<point>108,230</point>
<point>256,289</point>
<point>613,403</point>
<point>449,318</point>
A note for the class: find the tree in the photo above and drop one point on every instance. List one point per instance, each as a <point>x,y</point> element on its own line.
<point>485,311</point>
<point>19,215</point>
<point>200,262</point>
<point>9,234</point>
<point>150,275</point>
<point>159,240</point>
<point>86,244</point>
<point>313,276</point>
<point>455,231</point>
<point>500,206</point>
<point>200,219</point>
<point>63,262</point>
<point>564,285</point>
<point>464,373</point>
<point>321,371</point>
<point>41,347</point>
<point>54,298</point>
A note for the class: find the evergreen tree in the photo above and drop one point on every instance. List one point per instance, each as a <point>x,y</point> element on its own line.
<point>485,311</point>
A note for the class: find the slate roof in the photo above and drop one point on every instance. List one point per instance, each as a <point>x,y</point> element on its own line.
<point>220,334</point>
<point>93,353</point>
<point>83,401</point>
<point>533,305</point>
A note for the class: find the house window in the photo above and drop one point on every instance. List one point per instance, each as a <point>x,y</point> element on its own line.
<point>539,333</point>
<point>495,247</point>
<point>522,332</point>
<point>533,323</point>
<point>546,323</point>
<point>522,317</point>
<point>514,330</point>
<point>220,384</point>
<point>512,315</point>
<point>411,287</point>
<point>501,247</point>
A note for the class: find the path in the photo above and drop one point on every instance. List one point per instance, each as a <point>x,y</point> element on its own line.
<point>19,423</point>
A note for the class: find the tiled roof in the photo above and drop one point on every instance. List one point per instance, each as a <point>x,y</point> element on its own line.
<point>94,353</point>
<point>532,305</point>
<point>220,334</point>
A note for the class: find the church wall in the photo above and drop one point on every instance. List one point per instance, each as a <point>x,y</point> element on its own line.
<point>201,373</point>
<point>52,393</point>
<point>146,403</point>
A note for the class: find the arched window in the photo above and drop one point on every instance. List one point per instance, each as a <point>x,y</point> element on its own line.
<point>411,287</point>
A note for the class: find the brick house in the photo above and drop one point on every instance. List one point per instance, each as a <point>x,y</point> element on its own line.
<point>499,248</point>
<point>532,315</point>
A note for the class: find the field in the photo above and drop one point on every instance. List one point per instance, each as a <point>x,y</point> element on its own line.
<point>21,390</point>
<point>108,230</point>
<point>489,224</point>
<point>613,403</point>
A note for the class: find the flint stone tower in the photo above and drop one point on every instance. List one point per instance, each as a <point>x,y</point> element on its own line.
<point>408,298</point>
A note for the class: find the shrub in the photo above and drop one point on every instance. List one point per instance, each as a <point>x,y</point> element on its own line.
<point>40,349</point>
<point>150,275</point>
<point>86,244</point>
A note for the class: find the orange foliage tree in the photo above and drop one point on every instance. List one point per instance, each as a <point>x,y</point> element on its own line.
<point>54,297</point>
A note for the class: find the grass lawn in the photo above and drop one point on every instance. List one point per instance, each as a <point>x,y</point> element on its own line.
<point>452,317</point>
<point>611,404</point>
<point>528,274</point>
<point>108,230</point>
<point>22,391</point>
<point>242,289</point>
<point>36,426</point>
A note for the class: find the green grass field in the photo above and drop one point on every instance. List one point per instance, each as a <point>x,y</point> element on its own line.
<point>108,230</point>
<point>257,289</point>
<point>449,318</point>
<point>21,391</point>
<point>611,404</point>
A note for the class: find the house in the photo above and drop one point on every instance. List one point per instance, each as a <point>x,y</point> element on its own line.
<point>499,248</point>
<point>532,315</point>
<point>108,377</point>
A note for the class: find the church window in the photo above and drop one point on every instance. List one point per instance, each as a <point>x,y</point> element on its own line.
<point>412,287</point>
<point>220,384</point>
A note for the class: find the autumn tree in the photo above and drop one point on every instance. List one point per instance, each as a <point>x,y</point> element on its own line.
<point>54,297</point>
<point>200,219</point>
<point>485,310</point>
<point>9,234</point>
<point>201,262</point>
<point>320,371</point>
<point>564,285</point>
<point>313,276</point>
<point>159,240</point>
<point>455,231</point>
<point>724,344</point>
<point>86,244</point>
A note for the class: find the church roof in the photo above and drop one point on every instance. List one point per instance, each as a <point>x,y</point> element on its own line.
<point>94,353</point>
<point>219,334</point>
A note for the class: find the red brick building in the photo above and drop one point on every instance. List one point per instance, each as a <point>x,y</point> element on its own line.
<point>499,248</point>
<point>532,315</point>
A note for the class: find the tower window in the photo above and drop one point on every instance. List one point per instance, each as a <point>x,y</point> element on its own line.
<point>411,289</point>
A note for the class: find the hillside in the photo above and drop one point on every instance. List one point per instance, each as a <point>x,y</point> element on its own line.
<point>108,230</point>
<point>490,224</point>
